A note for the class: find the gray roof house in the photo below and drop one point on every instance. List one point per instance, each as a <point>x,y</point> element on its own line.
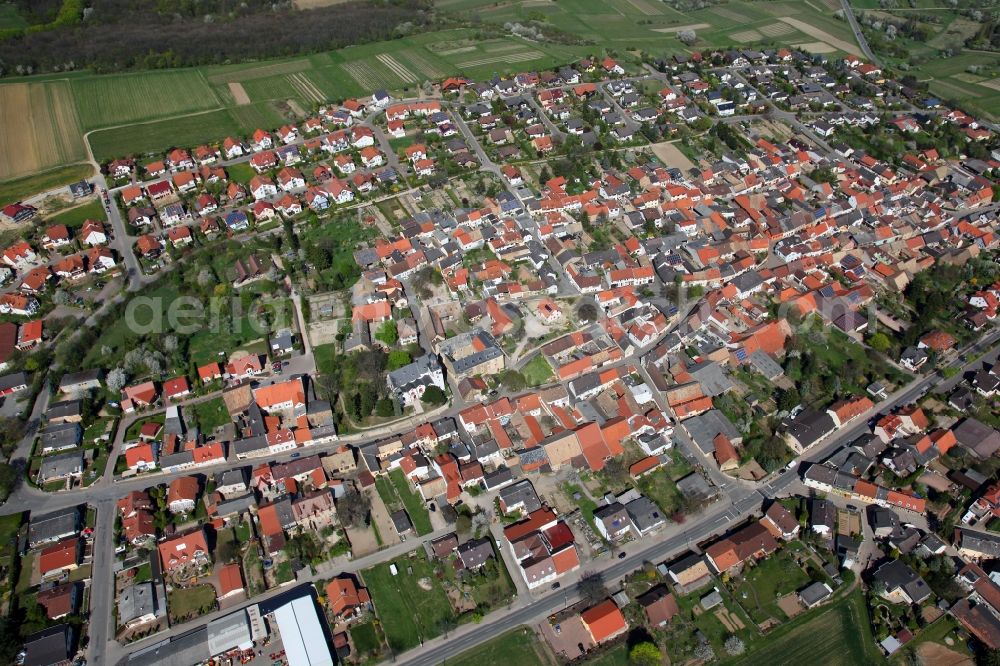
<point>475,552</point>
<point>520,497</point>
<point>401,521</point>
<point>53,526</point>
<point>645,515</point>
<point>815,594</point>
<point>49,647</point>
<point>60,437</point>
<point>137,604</point>
<point>902,584</point>
<point>977,437</point>
<point>62,466</point>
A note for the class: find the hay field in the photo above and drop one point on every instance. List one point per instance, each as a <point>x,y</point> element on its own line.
<point>39,128</point>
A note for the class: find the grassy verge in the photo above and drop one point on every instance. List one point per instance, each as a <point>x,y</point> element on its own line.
<point>518,646</point>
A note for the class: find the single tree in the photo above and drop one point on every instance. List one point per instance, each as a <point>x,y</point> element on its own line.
<point>645,653</point>
<point>434,396</point>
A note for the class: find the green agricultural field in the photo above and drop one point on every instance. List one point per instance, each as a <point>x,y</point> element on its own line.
<point>252,116</point>
<point>10,19</point>
<point>160,135</point>
<point>21,188</point>
<point>271,88</point>
<point>409,613</point>
<point>520,646</point>
<point>830,635</point>
<point>103,101</point>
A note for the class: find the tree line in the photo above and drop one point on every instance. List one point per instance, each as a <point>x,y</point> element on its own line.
<point>125,34</point>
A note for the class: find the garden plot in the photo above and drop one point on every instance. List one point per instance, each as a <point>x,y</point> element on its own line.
<point>456,51</point>
<point>371,76</point>
<point>500,46</point>
<point>815,47</point>
<point>261,72</point>
<point>239,94</point>
<point>776,29</point>
<point>730,14</point>
<point>422,64</point>
<point>396,67</point>
<point>822,35</point>
<point>306,88</point>
<point>993,84</point>
<point>959,30</point>
<point>676,29</point>
<point>646,7</point>
<point>506,58</point>
<point>746,36</point>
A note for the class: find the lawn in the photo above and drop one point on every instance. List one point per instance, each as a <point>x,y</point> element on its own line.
<point>833,634</point>
<point>409,614</point>
<point>776,576</point>
<point>365,638</point>
<point>587,505</point>
<point>211,414</point>
<point>519,646</point>
<point>660,485</point>
<point>75,217</point>
<point>143,573</point>
<point>24,579</point>
<point>190,601</point>
<point>22,188</point>
<point>241,173</point>
<point>616,656</point>
<point>283,572</point>
<point>537,371</point>
<point>326,358</point>
<point>412,502</point>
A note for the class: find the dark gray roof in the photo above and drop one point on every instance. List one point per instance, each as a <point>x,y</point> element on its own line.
<point>401,521</point>
<point>49,646</point>
<point>897,574</point>
<point>53,526</point>
<point>644,513</point>
<point>522,491</point>
<point>979,438</point>
<point>475,552</point>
